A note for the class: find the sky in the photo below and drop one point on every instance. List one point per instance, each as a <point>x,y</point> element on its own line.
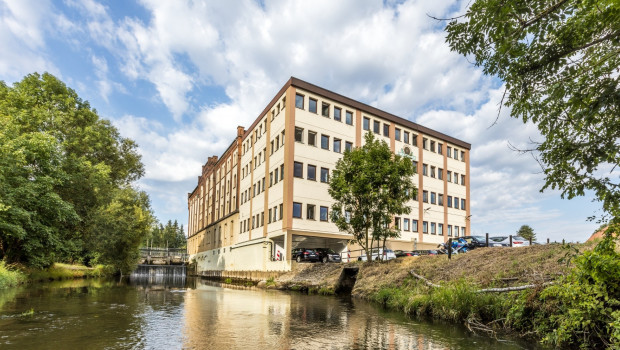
<point>178,77</point>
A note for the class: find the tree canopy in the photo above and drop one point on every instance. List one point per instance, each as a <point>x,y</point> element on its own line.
<point>63,173</point>
<point>559,60</point>
<point>370,185</point>
<point>526,232</point>
<point>169,236</point>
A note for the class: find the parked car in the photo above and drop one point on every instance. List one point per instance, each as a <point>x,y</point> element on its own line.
<point>328,255</point>
<point>476,241</point>
<point>401,253</point>
<point>304,254</point>
<point>388,254</point>
<point>505,241</point>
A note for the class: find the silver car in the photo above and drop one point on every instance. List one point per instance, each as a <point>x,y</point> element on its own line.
<point>505,241</point>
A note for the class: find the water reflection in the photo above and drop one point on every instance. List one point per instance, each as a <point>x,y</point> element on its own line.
<point>205,315</point>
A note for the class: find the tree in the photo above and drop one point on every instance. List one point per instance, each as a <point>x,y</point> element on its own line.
<point>559,60</point>
<point>60,167</point>
<point>526,232</point>
<point>370,185</point>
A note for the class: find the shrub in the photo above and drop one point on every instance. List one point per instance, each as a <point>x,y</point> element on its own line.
<point>10,277</point>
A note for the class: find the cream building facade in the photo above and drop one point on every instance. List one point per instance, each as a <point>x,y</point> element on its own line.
<point>267,194</point>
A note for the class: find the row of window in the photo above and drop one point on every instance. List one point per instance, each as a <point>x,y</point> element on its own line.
<point>310,212</point>
<point>438,173</point>
<point>276,144</point>
<point>337,145</point>
<point>326,109</point>
<point>438,199</point>
<point>298,171</point>
<point>275,214</point>
<point>435,228</point>
<point>259,187</point>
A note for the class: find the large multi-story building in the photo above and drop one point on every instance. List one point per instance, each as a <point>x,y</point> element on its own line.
<point>267,194</point>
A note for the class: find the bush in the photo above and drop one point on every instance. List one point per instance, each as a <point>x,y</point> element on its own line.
<point>10,277</point>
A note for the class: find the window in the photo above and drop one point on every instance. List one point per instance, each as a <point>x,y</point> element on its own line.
<point>456,231</point>
<point>463,231</point>
<point>366,124</point>
<point>415,166</point>
<point>310,211</point>
<point>397,223</point>
<point>311,138</point>
<point>449,201</point>
<point>440,229</point>
<point>348,146</point>
<point>424,226</point>
<point>456,178</point>
<point>337,144</point>
<point>277,143</point>
<point>449,230</point>
<point>337,114</point>
<point>325,110</point>
<point>375,127</point>
<point>323,213</point>
<point>440,148</point>
<point>440,174</point>
<point>414,225</point>
<point>440,199</point>
<point>463,156</point>
<point>299,101</point>
<point>275,214</point>
<point>432,146</point>
<point>456,154</point>
<point>433,228</point>
<point>312,105</point>
<point>425,196</point>
<point>405,224</point>
<point>299,135</point>
<point>275,177</point>
<point>325,142</point>
<point>432,171</point>
<point>386,130</point>
<point>324,175</point>
<point>397,134</point>
<point>349,118</point>
<point>456,202</point>
<point>298,169</point>
<point>463,180</point>
<point>414,140</point>
<point>271,179</point>
<point>271,148</point>
<point>311,172</point>
<point>449,176</point>
<point>433,197</point>
<point>269,217</point>
<point>282,211</point>
<point>463,203</point>
<point>424,169</point>
<point>296,210</point>
<point>425,143</point>
<point>449,152</point>
<point>282,172</point>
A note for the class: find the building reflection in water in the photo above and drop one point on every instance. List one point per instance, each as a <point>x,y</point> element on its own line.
<point>234,317</point>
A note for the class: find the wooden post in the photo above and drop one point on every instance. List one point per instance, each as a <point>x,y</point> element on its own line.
<point>530,240</point>
<point>487,239</point>
<point>548,240</point>
<point>511,240</point>
<point>449,248</point>
<point>563,241</point>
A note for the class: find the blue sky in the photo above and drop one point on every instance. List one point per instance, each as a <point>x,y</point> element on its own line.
<point>179,76</point>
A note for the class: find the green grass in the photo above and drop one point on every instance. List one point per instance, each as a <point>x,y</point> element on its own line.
<point>60,271</point>
<point>10,277</point>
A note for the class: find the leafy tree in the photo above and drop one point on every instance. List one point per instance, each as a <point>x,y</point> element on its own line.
<point>526,232</point>
<point>170,236</point>
<point>61,166</point>
<point>559,60</point>
<point>122,224</point>
<point>370,185</point>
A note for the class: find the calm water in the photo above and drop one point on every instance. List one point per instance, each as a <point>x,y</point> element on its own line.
<point>199,314</point>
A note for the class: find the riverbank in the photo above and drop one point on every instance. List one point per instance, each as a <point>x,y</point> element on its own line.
<point>12,276</point>
<point>560,307</point>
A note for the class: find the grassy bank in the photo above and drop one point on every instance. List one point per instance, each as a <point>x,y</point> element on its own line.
<point>574,301</point>
<point>11,276</point>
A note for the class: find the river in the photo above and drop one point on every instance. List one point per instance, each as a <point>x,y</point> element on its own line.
<point>199,314</point>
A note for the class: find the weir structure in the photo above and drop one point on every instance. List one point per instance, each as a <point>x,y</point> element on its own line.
<point>161,266</point>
